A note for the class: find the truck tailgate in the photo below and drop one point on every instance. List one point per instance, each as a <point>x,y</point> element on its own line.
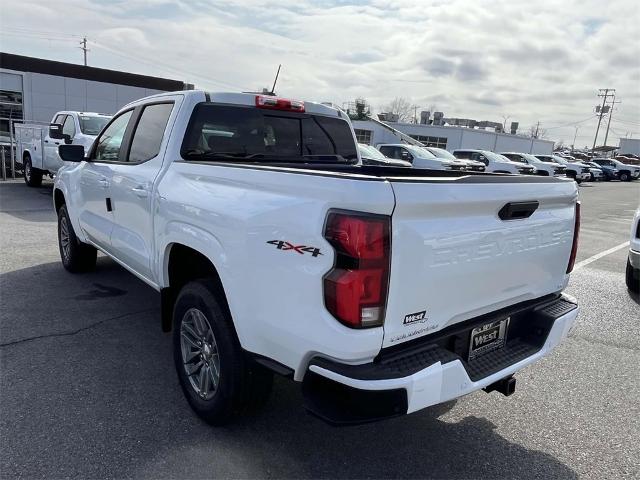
<point>453,258</point>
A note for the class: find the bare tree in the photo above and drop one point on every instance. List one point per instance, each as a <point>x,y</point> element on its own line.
<point>559,145</point>
<point>536,132</point>
<point>401,106</point>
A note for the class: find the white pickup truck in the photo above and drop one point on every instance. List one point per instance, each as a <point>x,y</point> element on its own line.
<point>37,145</point>
<point>382,290</point>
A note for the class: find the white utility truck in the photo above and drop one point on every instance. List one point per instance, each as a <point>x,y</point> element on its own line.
<point>383,290</point>
<point>37,145</point>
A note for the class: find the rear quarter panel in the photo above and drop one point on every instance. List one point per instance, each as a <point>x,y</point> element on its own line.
<point>230,213</point>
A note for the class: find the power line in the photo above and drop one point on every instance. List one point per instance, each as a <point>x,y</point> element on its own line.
<point>49,32</point>
<point>617,120</point>
<point>572,123</point>
<point>167,67</point>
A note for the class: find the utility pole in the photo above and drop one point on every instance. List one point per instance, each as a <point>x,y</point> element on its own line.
<point>504,123</point>
<point>84,49</point>
<point>613,102</point>
<point>604,96</point>
<point>577,127</point>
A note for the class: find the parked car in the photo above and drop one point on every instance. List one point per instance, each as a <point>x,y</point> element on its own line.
<point>542,167</point>
<point>626,172</point>
<point>595,172</point>
<point>633,262</point>
<point>471,165</point>
<point>419,157</point>
<point>548,159</point>
<point>494,163</point>
<point>37,145</point>
<point>608,172</point>
<point>372,156</point>
<point>573,169</point>
<point>274,251</point>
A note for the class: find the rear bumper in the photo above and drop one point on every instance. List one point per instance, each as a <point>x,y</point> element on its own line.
<point>434,370</point>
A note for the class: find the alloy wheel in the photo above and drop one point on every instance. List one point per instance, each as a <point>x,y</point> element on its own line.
<point>65,240</point>
<point>200,356</point>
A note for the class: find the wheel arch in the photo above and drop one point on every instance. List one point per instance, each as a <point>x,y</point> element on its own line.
<point>58,199</point>
<point>183,263</point>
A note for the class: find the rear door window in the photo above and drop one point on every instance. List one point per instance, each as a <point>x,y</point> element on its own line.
<point>223,132</point>
<point>149,132</point>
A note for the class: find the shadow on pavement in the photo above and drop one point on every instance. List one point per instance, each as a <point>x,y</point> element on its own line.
<point>90,391</point>
<point>27,203</point>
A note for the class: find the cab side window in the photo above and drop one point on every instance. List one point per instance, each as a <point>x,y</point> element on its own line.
<point>69,127</point>
<point>147,137</point>
<point>390,152</point>
<point>109,143</point>
<point>405,155</point>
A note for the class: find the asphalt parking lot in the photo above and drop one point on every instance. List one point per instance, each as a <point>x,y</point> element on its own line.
<point>88,388</point>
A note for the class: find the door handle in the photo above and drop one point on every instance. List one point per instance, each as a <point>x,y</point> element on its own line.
<point>46,141</point>
<point>104,183</point>
<point>140,191</point>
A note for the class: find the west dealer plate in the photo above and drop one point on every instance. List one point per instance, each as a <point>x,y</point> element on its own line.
<point>487,338</point>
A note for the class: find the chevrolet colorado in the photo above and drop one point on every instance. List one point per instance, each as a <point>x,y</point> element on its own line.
<point>382,290</point>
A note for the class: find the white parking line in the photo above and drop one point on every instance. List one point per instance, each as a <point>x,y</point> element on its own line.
<point>599,255</point>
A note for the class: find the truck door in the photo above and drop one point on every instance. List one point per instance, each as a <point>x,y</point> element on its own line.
<point>50,158</point>
<point>96,214</point>
<point>132,187</point>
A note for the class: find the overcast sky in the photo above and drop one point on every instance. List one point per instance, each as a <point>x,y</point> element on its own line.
<point>528,60</point>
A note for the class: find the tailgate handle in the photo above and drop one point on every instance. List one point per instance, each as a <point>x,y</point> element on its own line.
<point>518,210</point>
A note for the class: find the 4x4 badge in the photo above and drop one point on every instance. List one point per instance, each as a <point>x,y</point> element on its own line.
<point>301,249</point>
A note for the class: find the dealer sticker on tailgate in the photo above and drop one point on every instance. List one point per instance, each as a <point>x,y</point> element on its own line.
<point>487,338</point>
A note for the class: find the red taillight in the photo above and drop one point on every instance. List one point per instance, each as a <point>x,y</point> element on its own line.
<point>355,290</point>
<point>576,234</point>
<point>277,103</point>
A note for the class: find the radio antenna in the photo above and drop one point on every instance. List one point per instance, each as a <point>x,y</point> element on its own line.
<point>275,81</point>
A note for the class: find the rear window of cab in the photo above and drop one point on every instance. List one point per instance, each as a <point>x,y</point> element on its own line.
<point>228,132</point>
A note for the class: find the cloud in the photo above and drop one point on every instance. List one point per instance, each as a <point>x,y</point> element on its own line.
<point>533,61</point>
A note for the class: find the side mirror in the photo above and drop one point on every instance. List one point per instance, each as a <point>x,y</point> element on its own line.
<point>484,160</point>
<point>406,156</point>
<point>55,131</point>
<point>67,138</point>
<point>71,153</point>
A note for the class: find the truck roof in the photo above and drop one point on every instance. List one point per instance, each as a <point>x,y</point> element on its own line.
<point>87,114</point>
<point>249,99</point>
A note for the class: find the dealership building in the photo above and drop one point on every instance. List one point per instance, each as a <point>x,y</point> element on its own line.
<point>34,89</point>
<point>450,137</point>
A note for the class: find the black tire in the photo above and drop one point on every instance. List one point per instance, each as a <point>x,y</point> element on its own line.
<point>242,384</point>
<point>32,176</point>
<point>633,278</point>
<point>78,257</point>
<point>625,177</point>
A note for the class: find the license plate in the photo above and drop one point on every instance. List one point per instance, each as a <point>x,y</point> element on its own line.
<point>487,338</point>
